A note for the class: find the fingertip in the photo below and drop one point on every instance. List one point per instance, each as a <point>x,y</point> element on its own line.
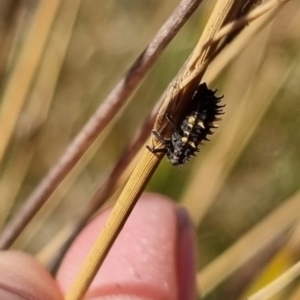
<point>23,277</point>
<point>145,260</point>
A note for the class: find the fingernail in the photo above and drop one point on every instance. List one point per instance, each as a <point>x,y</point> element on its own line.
<point>186,257</point>
<point>184,222</point>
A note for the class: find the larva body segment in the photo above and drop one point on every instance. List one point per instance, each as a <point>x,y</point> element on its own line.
<point>193,129</point>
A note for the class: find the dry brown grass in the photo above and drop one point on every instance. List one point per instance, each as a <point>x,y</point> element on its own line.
<point>59,62</point>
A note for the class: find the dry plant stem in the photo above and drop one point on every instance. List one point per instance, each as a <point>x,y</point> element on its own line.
<point>117,218</point>
<point>222,267</point>
<point>13,11</point>
<point>125,203</point>
<point>108,185</point>
<point>241,22</point>
<point>237,46</point>
<point>45,254</point>
<point>106,188</point>
<point>278,284</point>
<point>12,178</point>
<point>237,284</point>
<point>37,109</point>
<point>230,144</point>
<point>115,100</point>
<point>250,244</point>
<point>176,97</point>
<point>286,257</point>
<point>227,30</point>
<point>23,73</point>
<point>122,210</point>
<point>85,278</point>
<point>35,225</point>
<point>219,15</point>
<point>295,295</point>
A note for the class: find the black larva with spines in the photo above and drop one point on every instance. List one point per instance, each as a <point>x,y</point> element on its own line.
<point>193,129</point>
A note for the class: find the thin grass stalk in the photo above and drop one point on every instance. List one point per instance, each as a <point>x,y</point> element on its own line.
<point>285,258</point>
<point>238,283</point>
<point>295,295</point>
<point>127,199</point>
<point>233,26</point>
<point>23,74</point>
<point>116,178</point>
<point>117,218</point>
<point>12,178</point>
<point>278,284</point>
<point>108,184</point>
<point>241,127</point>
<point>45,255</point>
<point>254,14</point>
<point>8,31</point>
<point>36,111</point>
<point>235,48</point>
<point>37,107</point>
<point>107,187</point>
<point>249,245</point>
<point>107,111</point>
<point>209,283</point>
<point>178,94</point>
<point>36,223</point>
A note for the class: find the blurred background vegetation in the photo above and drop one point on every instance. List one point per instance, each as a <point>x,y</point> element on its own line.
<point>248,169</point>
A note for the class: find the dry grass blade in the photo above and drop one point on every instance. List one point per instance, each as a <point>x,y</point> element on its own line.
<point>45,255</point>
<point>115,179</point>
<point>236,284</point>
<point>36,111</point>
<point>233,50</point>
<point>109,183</point>
<point>40,218</point>
<point>24,71</point>
<point>226,30</point>
<point>12,179</point>
<point>134,186</point>
<point>251,16</point>
<point>285,258</point>
<point>248,169</point>
<point>216,21</point>
<point>277,285</point>
<point>241,126</point>
<point>176,97</point>
<point>231,146</point>
<point>249,245</point>
<point>204,53</point>
<point>8,29</point>
<point>296,293</point>
<point>113,103</point>
<point>113,225</point>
